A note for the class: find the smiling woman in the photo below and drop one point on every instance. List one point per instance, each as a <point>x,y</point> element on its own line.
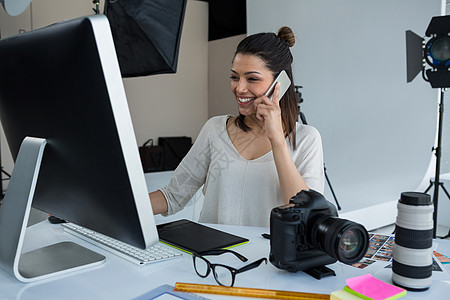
<point>258,160</point>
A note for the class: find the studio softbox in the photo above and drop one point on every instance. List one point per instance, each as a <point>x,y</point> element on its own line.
<point>146,34</point>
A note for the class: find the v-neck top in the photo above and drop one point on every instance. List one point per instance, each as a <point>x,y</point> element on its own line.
<point>238,191</point>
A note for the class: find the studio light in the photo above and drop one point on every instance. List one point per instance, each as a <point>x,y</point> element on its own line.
<point>436,54</point>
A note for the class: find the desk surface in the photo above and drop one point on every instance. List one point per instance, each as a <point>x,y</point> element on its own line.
<point>119,279</point>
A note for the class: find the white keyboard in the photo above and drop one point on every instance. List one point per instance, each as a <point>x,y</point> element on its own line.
<point>138,256</point>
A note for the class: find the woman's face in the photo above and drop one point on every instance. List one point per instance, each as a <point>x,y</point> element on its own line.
<point>250,79</point>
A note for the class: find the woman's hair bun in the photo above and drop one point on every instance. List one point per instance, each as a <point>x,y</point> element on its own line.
<point>285,33</point>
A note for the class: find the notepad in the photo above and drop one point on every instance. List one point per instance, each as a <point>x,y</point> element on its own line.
<point>368,287</point>
<point>191,237</point>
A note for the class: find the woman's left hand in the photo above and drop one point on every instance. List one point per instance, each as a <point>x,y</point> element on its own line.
<point>269,112</point>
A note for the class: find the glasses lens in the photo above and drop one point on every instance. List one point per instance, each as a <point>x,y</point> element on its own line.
<point>223,275</point>
<point>201,266</point>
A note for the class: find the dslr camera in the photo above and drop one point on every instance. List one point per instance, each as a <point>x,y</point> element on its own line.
<point>306,235</point>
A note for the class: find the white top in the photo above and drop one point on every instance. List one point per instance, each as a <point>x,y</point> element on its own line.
<point>239,191</point>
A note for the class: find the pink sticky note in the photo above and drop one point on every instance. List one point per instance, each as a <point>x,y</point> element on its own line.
<point>373,288</point>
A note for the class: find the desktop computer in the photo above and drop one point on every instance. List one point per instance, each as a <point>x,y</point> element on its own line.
<point>65,116</point>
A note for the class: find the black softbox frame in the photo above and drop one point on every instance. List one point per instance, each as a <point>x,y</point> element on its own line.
<point>146,34</point>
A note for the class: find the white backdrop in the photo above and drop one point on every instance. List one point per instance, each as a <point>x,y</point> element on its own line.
<point>350,58</point>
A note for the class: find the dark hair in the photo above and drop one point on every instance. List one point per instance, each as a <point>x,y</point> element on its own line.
<point>274,51</point>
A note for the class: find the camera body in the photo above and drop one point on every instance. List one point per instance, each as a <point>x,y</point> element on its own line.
<point>307,233</point>
<point>290,224</point>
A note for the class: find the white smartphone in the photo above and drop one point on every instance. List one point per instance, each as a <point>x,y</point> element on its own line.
<point>284,81</point>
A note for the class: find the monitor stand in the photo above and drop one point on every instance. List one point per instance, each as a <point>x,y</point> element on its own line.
<point>49,261</point>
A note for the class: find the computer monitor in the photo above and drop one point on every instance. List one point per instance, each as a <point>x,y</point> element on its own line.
<point>62,83</point>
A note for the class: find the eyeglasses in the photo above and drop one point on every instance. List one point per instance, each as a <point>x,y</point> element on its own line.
<point>224,275</point>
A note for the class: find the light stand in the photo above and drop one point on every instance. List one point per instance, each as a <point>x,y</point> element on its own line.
<point>436,183</point>
<point>302,118</point>
<point>97,6</point>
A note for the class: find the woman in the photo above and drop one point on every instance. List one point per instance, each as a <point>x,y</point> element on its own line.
<point>258,160</point>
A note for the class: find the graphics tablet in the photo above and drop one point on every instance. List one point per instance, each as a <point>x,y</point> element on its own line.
<point>194,237</point>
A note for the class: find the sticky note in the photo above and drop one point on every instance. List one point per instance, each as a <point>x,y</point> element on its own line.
<point>343,295</point>
<point>368,287</point>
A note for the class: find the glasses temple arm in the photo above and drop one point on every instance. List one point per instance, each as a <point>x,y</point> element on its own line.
<point>221,251</point>
<point>252,265</point>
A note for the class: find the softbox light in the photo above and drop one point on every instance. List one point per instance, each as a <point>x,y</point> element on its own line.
<point>146,34</point>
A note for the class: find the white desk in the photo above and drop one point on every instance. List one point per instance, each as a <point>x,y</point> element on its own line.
<point>119,279</point>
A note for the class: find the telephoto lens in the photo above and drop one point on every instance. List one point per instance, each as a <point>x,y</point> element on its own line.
<point>413,262</point>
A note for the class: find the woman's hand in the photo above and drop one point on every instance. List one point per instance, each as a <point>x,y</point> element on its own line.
<point>269,112</point>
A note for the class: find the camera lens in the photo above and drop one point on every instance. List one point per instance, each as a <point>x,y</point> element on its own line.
<point>412,264</point>
<point>342,239</point>
<point>350,243</point>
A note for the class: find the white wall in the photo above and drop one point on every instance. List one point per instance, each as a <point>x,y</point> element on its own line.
<point>162,105</point>
<point>350,57</point>
<point>220,55</point>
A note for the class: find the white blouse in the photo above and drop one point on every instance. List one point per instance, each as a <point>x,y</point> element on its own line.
<point>239,191</point>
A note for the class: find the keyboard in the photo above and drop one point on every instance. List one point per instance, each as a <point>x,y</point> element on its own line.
<point>156,253</point>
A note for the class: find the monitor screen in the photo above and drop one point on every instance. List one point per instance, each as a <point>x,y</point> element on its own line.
<point>63,83</point>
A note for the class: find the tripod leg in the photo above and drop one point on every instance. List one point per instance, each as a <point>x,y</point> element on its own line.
<point>331,188</point>
<point>445,190</point>
<point>429,187</point>
<point>446,236</point>
<point>6,173</point>
<point>448,196</point>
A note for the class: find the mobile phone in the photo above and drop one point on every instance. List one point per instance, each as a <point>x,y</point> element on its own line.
<point>284,81</point>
